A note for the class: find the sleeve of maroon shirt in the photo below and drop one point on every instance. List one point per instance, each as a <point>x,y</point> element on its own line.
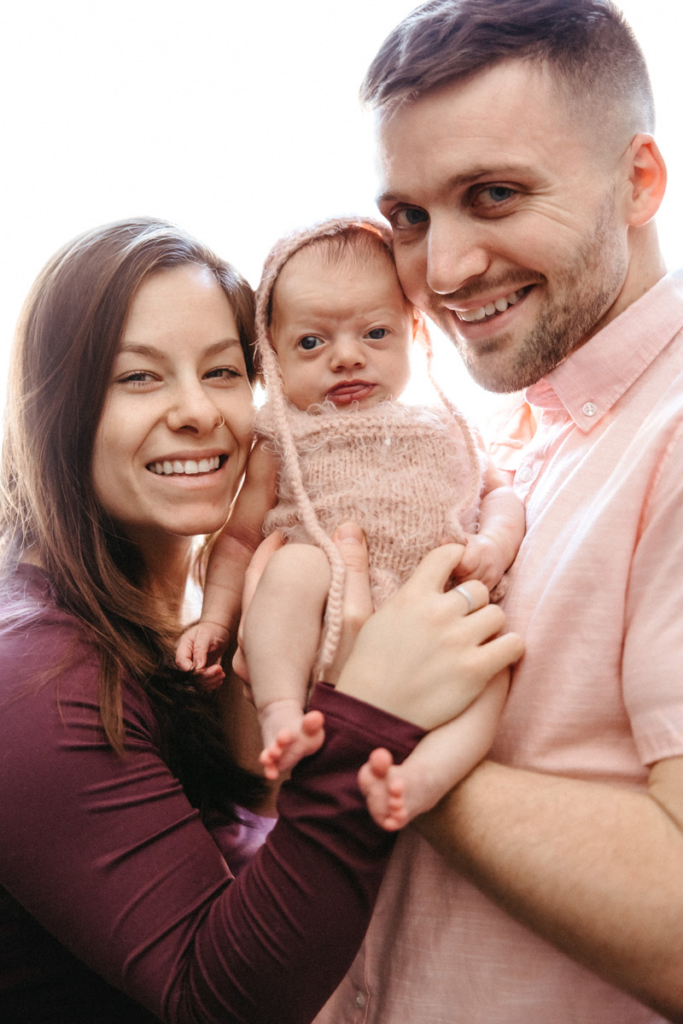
<point>107,854</point>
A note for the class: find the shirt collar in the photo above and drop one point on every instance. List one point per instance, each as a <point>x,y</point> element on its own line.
<point>590,380</point>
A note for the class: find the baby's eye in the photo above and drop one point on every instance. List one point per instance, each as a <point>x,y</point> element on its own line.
<point>377,333</point>
<point>310,342</point>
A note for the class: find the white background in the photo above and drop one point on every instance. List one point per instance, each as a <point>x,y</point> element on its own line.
<point>237,119</point>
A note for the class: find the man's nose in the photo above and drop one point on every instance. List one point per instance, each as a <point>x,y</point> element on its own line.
<point>456,254</point>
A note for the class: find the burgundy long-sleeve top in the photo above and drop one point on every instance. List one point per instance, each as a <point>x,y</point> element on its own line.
<point>111,884</point>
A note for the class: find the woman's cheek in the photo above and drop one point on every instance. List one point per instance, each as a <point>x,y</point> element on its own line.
<point>241,422</point>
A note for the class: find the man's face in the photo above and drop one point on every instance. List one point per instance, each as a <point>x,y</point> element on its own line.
<point>506,220</point>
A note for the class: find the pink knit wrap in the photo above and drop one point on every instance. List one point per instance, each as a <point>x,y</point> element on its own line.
<point>403,473</point>
<point>283,414</point>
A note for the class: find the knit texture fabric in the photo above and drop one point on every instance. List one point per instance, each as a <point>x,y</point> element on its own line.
<point>403,473</point>
<point>267,362</point>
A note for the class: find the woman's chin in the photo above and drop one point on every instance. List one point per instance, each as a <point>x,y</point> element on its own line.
<point>167,532</point>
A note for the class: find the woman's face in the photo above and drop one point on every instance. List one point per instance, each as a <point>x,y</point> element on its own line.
<point>174,435</point>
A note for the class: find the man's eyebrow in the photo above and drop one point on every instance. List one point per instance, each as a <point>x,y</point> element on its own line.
<point>492,172</point>
<point>152,352</point>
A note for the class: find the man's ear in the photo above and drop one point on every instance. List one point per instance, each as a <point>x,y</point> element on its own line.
<point>647,176</point>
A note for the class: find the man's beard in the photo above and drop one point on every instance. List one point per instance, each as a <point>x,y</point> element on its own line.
<point>586,289</point>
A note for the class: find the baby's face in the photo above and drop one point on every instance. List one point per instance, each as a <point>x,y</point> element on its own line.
<point>342,329</point>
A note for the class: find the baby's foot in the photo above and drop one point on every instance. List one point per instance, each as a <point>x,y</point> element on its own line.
<point>292,743</point>
<point>383,786</point>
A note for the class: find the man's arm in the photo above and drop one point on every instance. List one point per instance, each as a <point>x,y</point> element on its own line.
<point>594,869</point>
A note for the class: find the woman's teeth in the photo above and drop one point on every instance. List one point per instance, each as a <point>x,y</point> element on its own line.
<point>189,467</point>
<point>499,306</point>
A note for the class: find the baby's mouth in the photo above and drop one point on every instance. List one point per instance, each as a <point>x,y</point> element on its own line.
<point>187,467</point>
<point>348,391</point>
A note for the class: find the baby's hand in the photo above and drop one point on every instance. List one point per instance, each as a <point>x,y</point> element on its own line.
<point>201,643</point>
<point>483,560</point>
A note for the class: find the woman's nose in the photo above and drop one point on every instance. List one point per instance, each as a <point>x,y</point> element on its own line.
<point>192,409</point>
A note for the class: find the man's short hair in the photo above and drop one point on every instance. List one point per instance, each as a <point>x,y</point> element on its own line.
<point>586,43</point>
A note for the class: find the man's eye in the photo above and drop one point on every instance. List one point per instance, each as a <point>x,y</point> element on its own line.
<point>377,333</point>
<point>310,342</point>
<point>494,195</point>
<point>410,217</point>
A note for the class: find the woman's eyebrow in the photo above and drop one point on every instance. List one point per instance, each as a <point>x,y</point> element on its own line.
<point>152,352</point>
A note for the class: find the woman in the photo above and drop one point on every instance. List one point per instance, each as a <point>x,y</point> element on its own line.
<point>128,428</point>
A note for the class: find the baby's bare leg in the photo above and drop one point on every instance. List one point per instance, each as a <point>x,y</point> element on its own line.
<point>281,638</point>
<point>396,794</point>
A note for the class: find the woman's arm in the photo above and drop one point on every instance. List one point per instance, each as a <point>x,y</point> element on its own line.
<point>108,855</point>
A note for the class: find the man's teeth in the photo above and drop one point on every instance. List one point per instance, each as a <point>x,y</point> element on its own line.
<point>499,306</point>
<point>189,467</point>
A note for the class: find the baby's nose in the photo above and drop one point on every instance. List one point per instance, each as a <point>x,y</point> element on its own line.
<point>349,352</point>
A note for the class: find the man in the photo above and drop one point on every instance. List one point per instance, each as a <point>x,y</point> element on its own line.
<point>520,177</point>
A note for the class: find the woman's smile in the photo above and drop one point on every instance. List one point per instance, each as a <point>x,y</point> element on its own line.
<point>188,464</point>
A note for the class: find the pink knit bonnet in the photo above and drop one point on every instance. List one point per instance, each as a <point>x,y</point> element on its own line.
<point>267,361</point>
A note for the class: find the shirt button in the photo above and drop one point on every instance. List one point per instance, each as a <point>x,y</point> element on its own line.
<point>590,409</point>
<point>525,473</point>
<point>360,1000</point>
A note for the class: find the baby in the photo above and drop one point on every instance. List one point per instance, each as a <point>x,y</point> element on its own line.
<point>334,336</point>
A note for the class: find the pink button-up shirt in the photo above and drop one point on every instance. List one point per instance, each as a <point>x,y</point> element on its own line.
<point>597,593</point>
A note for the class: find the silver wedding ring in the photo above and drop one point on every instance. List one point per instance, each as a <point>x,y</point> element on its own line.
<point>468,597</point>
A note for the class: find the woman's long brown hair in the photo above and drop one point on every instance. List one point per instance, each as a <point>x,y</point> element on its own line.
<point>67,339</point>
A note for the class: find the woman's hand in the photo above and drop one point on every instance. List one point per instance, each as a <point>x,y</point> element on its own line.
<point>428,653</point>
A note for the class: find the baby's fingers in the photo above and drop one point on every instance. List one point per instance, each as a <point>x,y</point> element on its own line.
<point>212,677</point>
<point>184,655</point>
<point>202,646</point>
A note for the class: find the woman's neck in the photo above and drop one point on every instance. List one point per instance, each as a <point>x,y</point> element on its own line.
<point>167,562</point>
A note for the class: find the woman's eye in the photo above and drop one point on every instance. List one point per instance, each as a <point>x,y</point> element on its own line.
<point>410,217</point>
<point>136,377</point>
<point>223,373</point>
<point>309,342</point>
<point>377,333</point>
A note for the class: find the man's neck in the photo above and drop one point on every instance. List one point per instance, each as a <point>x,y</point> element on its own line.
<point>646,268</point>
